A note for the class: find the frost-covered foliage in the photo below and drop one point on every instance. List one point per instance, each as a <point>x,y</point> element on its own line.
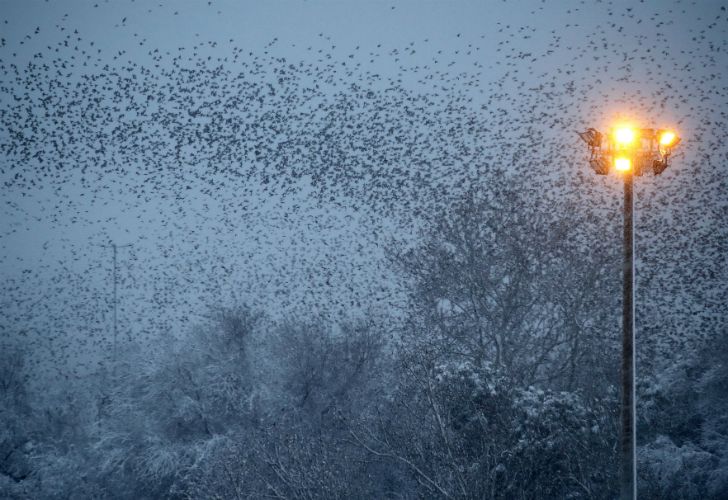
<point>498,383</point>
<point>685,427</point>
<point>15,435</point>
<point>503,278</point>
<point>471,432</point>
<point>673,471</point>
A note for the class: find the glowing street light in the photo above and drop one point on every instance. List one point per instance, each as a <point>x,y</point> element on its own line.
<point>630,151</point>
<point>624,136</point>
<point>667,138</point>
<point>622,164</point>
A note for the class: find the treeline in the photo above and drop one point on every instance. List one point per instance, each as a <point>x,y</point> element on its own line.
<point>499,379</point>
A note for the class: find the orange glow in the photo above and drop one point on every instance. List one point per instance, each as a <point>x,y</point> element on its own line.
<point>624,136</point>
<point>622,164</point>
<point>667,138</point>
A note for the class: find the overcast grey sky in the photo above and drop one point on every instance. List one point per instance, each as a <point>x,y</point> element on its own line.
<point>620,57</point>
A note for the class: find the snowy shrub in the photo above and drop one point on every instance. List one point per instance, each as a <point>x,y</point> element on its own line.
<point>671,471</point>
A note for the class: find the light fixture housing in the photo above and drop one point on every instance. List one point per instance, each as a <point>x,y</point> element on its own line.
<point>630,150</point>
<point>659,166</point>
<point>592,137</point>
<point>599,165</point>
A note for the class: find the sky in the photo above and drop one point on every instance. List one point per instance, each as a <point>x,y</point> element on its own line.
<point>577,64</point>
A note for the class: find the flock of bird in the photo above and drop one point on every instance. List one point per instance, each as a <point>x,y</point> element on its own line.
<point>241,174</point>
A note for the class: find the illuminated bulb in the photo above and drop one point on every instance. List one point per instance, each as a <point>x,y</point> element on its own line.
<point>624,136</point>
<point>622,164</point>
<point>667,138</point>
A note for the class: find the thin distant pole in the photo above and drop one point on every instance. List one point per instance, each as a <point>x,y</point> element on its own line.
<point>629,432</point>
<point>116,324</point>
<point>115,307</point>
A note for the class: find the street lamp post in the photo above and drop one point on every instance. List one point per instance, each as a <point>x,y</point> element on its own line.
<point>631,152</point>
<point>628,438</point>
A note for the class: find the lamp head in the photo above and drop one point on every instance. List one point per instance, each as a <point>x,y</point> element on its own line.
<point>622,164</point>
<point>667,138</point>
<point>624,136</point>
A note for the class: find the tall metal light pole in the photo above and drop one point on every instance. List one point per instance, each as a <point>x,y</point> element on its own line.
<point>630,151</point>
<point>629,434</point>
